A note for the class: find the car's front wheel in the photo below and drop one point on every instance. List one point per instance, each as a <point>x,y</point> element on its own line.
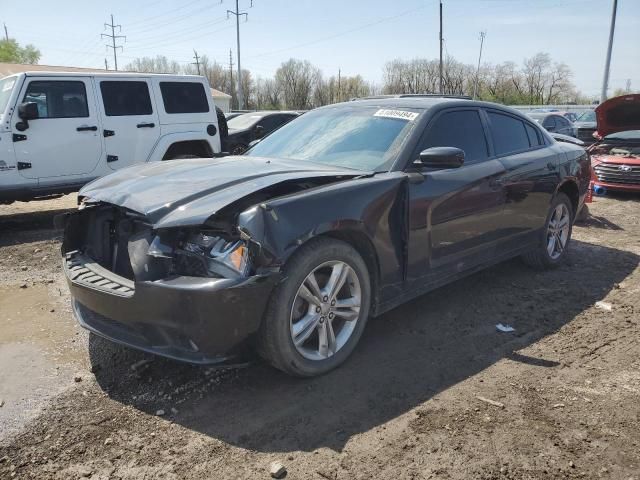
<point>316,316</point>
<point>554,240</point>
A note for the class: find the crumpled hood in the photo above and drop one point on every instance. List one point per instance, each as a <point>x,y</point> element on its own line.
<point>187,192</point>
<point>618,114</point>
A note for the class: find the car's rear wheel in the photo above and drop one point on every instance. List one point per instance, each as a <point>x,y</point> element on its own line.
<point>554,240</point>
<point>316,316</point>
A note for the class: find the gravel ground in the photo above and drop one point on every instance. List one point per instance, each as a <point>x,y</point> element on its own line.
<point>432,391</point>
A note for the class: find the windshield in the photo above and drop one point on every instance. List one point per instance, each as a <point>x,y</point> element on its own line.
<point>362,138</point>
<point>243,121</point>
<point>589,116</point>
<point>6,87</point>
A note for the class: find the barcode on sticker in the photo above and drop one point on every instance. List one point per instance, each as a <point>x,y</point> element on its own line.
<point>401,114</point>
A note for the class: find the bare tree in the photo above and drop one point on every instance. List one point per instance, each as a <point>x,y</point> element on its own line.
<point>297,79</point>
<point>158,64</point>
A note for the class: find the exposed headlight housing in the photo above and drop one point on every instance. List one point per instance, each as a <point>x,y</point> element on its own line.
<point>221,257</point>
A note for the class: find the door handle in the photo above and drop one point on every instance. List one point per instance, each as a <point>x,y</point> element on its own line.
<point>86,128</point>
<point>146,125</point>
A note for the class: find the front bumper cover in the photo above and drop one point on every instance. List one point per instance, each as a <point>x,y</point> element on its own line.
<point>193,319</point>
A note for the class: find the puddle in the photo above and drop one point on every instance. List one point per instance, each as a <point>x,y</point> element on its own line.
<point>40,349</point>
<point>32,316</point>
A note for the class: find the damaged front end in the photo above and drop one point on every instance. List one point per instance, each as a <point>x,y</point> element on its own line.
<point>189,293</point>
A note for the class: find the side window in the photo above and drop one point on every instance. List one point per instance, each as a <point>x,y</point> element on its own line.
<point>125,98</point>
<point>58,98</point>
<point>184,97</point>
<point>532,133</point>
<point>509,134</point>
<point>462,129</point>
<point>271,122</point>
<point>549,122</point>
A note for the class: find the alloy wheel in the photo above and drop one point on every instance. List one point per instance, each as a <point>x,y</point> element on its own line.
<point>325,310</point>
<point>558,231</point>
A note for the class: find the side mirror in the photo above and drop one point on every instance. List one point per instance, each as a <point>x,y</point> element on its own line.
<point>259,130</point>
<point>441,157</point>
<point>28,111</point>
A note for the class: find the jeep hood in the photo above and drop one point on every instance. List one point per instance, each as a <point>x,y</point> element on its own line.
<point>618,114</point>
<point>187,192</point>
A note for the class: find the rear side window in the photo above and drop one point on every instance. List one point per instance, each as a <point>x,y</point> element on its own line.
<point>509,134</point>
<point>184,97</point>
<point>532,133</point>
<point>462,129</point>
<point>125,98</point>
<point>58,98</point>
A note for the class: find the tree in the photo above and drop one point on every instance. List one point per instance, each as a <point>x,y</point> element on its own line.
<point>12,52</point>
<point>158,64</point>
<point>296,79</point>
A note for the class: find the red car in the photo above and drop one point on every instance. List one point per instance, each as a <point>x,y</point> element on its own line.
<point>615,157</point>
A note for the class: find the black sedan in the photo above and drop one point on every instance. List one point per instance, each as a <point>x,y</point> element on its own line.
<point>554,122</point>
<point>245,128</point>
<point>342,214</point>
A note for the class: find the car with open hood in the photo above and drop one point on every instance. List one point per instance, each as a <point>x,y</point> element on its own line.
<point>615,157</point>
<point>344,213</point>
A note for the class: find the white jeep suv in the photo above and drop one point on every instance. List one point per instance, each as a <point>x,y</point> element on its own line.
<point>59,131</point>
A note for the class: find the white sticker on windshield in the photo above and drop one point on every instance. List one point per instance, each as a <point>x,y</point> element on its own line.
<point>401,114</point>
<point>8,86</point>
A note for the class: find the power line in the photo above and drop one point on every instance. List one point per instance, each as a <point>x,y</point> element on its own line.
<point>238,14</point>
<point>113,38</point>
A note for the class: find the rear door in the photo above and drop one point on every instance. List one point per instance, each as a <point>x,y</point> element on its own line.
<point>455,215</point>
<point>130,121</point>
<point>531,174</point>
<point>64,141</point>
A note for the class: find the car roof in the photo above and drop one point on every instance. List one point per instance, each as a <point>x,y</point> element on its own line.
<point>110,75</point>
<point>424,102</point>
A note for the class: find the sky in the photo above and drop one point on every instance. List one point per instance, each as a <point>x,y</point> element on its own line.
<point>355,36</point>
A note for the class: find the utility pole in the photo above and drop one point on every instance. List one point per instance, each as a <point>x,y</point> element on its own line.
<point>106,65</point>
<point>6,34</point>
<point>441,89</point>
<point>238,14</point>
<point>113,38</point>
<point>339,86</point>
<point>475,88</point>
<point>197,62</point>
<point>231,73</point>
<point>628,86</point>
<point>607,63</point>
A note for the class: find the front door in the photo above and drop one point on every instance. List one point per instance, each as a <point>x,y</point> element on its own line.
<point>455,215</point>
<point>130,126</point>
<point>65,140</point>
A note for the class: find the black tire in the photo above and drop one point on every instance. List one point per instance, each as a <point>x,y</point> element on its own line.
<point>539,257</point>
<point>583,215</point>
<point>275,343</point>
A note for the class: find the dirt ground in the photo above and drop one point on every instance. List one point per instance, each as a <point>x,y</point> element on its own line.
<point>563,389</point>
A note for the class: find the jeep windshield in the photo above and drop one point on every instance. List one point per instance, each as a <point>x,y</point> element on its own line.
<point>361,138</point>
<point>6,87</point>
